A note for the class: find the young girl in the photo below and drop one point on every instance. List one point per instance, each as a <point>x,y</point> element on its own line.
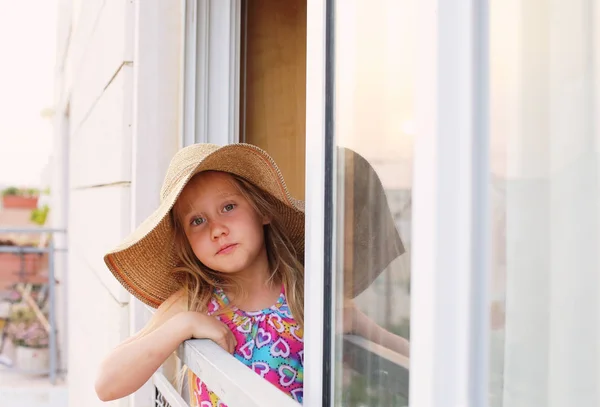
<point>221,258</point>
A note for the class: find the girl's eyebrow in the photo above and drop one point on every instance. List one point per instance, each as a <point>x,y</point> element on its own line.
<point>226,194</point>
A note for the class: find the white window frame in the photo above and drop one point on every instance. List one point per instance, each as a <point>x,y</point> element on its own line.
<point>451,217</point>
<point>451,246</point>
<point>156,70</point>
<point>199,123</point>
<point>210,88</point>
<point>315,204</point>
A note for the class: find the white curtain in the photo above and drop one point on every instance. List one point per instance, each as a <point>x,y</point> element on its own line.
<point>545,124</point>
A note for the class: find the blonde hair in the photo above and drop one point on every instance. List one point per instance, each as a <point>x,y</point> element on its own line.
<point>199,281</point>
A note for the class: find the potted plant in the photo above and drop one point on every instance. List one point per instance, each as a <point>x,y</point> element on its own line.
<point>24,267</point>
<point>29,338</point>
<point>15,198</point>
<point>39,215</point>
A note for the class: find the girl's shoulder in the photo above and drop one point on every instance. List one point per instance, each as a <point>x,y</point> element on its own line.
<point>219,304</point>
<point>177,302</point>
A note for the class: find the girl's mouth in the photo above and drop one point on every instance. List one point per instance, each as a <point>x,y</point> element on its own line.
<point>228,248</point>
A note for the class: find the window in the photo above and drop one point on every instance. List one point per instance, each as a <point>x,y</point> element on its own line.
<point>544,337</point>
<point>373,122</point>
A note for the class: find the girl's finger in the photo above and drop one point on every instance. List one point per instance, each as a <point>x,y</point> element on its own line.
<point>224,343</point>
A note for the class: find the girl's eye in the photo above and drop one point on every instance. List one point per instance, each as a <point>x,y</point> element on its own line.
<point>228,207</point>
<point>197,221</point>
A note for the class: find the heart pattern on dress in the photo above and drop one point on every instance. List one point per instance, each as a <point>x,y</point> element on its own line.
<point>214,306</point>
<point>298,394</point>
<point>260,318</point>
<point>261,368</point>
<point>285,310</point>
<point>246,327</point>
<point>262,338</point>
<point>287,375</point>
<point>297,332</point>
<point>276,322</point>
<point>247,349</point>
<point>270,342</point>
<point>280,348</point>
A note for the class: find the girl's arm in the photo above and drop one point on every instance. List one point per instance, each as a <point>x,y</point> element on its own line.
<point>130,365</point>
<point>357,322</point>
<point>134,361</point>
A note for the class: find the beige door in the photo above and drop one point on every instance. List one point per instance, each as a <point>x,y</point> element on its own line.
<point>273,99</point>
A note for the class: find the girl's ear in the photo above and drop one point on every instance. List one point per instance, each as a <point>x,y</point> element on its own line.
<point>266,220</point>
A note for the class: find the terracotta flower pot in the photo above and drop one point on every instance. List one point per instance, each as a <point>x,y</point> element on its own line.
<point>19,202</point>
<point>29,267</point>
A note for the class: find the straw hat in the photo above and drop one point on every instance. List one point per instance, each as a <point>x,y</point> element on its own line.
<point>144,261</point>
<point>371,240</point>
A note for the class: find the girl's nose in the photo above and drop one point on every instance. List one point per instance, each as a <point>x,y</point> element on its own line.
<point>218,229</point>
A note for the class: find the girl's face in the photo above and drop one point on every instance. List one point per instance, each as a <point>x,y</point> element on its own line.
<point>223,229</point>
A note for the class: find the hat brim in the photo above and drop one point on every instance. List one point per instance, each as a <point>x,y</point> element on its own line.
<point>371,240</point>
<point>143,263</point>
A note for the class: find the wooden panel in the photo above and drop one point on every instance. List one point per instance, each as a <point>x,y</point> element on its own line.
<point>99,219</point>
<point>275,99</point>
<point>101,147</point>
<point>109,46</point>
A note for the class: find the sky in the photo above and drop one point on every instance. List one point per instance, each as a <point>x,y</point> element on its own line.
<point>27,57</point>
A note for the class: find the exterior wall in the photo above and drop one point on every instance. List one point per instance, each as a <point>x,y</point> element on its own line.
<point>95,99</point>
<point>156,123</point>
<point>116,128</point>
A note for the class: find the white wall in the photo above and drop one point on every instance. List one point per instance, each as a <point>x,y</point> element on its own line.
<point>117,126</point>
<point>156,124</point>
<point>99,84</point>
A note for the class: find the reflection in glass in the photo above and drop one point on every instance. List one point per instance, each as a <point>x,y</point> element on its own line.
<point>374,357</point>
<point>373,125</point>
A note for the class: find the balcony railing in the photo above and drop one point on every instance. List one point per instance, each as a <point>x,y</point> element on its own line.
<point>378,363</point>
<point>20,276</point>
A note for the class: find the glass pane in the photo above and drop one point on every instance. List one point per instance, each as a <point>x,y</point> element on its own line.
<point>545,314</point>
<point>373,116</point>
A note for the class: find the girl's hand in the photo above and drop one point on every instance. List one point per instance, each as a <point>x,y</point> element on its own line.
<point>202,326</point>
<point>349,317</point>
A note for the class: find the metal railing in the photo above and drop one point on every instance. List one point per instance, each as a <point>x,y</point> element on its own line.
<point>51,251</point>
<point>378,363</point>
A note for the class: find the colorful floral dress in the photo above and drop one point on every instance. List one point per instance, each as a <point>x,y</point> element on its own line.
<point>269,341</point>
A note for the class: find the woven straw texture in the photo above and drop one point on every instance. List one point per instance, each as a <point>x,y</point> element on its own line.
<point>144,261</point>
